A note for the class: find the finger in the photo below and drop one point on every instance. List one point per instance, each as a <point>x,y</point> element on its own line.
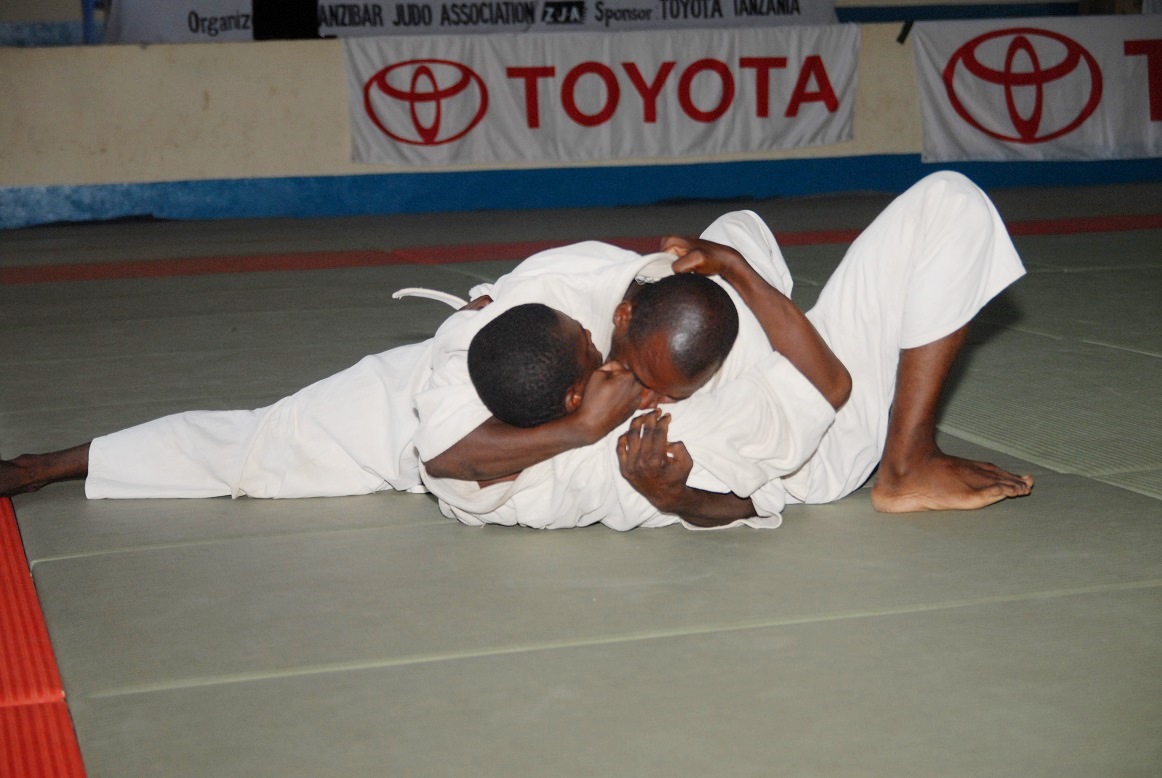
<point>688,262</point>
<point>654,438</point>
<point>675,244</point>
<point>635,426</point>
<point>679,456</point>
<point>614,370</point>
<point>633,441</point>
<point>622,453</point>
<point>647,422</point>
<point>659,420</point>
<point>663,424</point>
<point>660,429</point>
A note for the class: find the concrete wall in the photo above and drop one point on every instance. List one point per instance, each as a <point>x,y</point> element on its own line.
<point>115,114</point>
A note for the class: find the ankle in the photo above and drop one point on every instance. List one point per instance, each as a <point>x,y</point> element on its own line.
<point>899,463</point>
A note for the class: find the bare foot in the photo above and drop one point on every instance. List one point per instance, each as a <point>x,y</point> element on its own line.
<point>945,483</point>
<point>29,472</point>
<point>17,478</point>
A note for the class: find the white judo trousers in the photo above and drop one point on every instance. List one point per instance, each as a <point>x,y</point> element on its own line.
<point>922,270</point>
<point>348,434</point>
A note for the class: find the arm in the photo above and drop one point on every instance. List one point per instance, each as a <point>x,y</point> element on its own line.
<point>658,470</point>
<point>787,329</point>
<point>496,450</point>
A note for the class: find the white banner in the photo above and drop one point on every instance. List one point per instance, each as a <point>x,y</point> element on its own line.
<point>428,17</point>
<point>192,21</point>
<point>561,98</point>
<point>1033,89</point>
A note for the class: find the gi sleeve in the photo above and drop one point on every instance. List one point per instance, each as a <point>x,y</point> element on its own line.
<point>447,406</point>
<point>750,431</point>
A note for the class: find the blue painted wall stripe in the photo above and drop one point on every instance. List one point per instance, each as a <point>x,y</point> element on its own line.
<point>529,189</point>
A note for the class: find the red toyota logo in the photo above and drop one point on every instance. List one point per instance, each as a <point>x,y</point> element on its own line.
<point>425,102</point>
<point>1037,71</point>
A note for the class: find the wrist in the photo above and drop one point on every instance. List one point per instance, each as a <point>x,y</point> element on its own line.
<point>737,272</point>
<point>574,431</point>
<point>677,499</point>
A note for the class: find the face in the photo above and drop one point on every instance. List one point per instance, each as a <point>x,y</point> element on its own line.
<point>650,363</point>
<point>587,353</point>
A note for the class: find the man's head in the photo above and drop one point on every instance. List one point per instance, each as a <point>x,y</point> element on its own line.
<point>530,364</point>
<point>673,335</point>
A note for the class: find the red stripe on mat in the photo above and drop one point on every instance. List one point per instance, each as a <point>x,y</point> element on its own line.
<point>473,252</point>
<point>1146,221</point>
<point>36,734</point>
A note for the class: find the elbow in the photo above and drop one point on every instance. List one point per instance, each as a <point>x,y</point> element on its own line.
<point>841,389</point>
<point>449,467</point>
<point>441,467</point>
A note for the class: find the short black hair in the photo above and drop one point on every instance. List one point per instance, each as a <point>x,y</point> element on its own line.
<point>696,315</point>
<point>522,364</point>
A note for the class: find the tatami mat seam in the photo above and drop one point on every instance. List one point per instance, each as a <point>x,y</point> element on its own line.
<point>1128,487</point>
<point>1031,457</point>
<point>405,661</point>
<point>1117,347</point>
<point>35,563</point>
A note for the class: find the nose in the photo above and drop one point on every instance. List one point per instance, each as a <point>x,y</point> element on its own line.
<point>649,400</point>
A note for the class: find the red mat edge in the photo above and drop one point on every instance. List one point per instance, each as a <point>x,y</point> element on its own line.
<point>37,741</point>
<point>473,252</point>
<point>36,732</point>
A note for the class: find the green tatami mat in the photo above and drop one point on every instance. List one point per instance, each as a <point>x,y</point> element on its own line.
<point>371,636</point>
<point>1075,407</point>
<point>1148,482</point>
<point>315,601</point>
<point>1054,687</point>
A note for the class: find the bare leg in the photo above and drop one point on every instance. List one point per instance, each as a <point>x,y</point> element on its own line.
<point>29,472</point>
<point>914,474</point>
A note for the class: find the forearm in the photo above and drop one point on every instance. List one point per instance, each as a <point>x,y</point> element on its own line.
<point>495,450</point>
<point>791,333</point>
<point>708,509</point>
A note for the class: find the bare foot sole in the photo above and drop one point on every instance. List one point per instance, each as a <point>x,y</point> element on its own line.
<point>944,483</point>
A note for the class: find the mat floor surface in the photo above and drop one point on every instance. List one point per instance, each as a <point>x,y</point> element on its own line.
<point>371,636</point>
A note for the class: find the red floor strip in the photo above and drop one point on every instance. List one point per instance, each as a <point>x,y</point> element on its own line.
<point>37,741</point>
<point>473,252</point>
<point>36,734</point>
<point>1148,221</point>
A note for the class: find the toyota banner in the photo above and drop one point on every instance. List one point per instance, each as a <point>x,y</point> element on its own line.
<point>1033,89</point>
<point>548,98</point>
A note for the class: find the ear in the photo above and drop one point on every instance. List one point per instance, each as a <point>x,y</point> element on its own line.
<point>573,396</point>
<point>622,315</point>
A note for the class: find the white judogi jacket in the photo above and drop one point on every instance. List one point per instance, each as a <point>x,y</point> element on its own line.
<point>757,419</point>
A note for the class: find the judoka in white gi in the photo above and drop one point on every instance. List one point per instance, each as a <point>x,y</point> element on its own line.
<point>758,435</point>
<point>895,312</point>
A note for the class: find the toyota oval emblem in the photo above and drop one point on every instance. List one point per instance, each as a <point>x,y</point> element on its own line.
<point>425,102</point>
<point>1034,73</point>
